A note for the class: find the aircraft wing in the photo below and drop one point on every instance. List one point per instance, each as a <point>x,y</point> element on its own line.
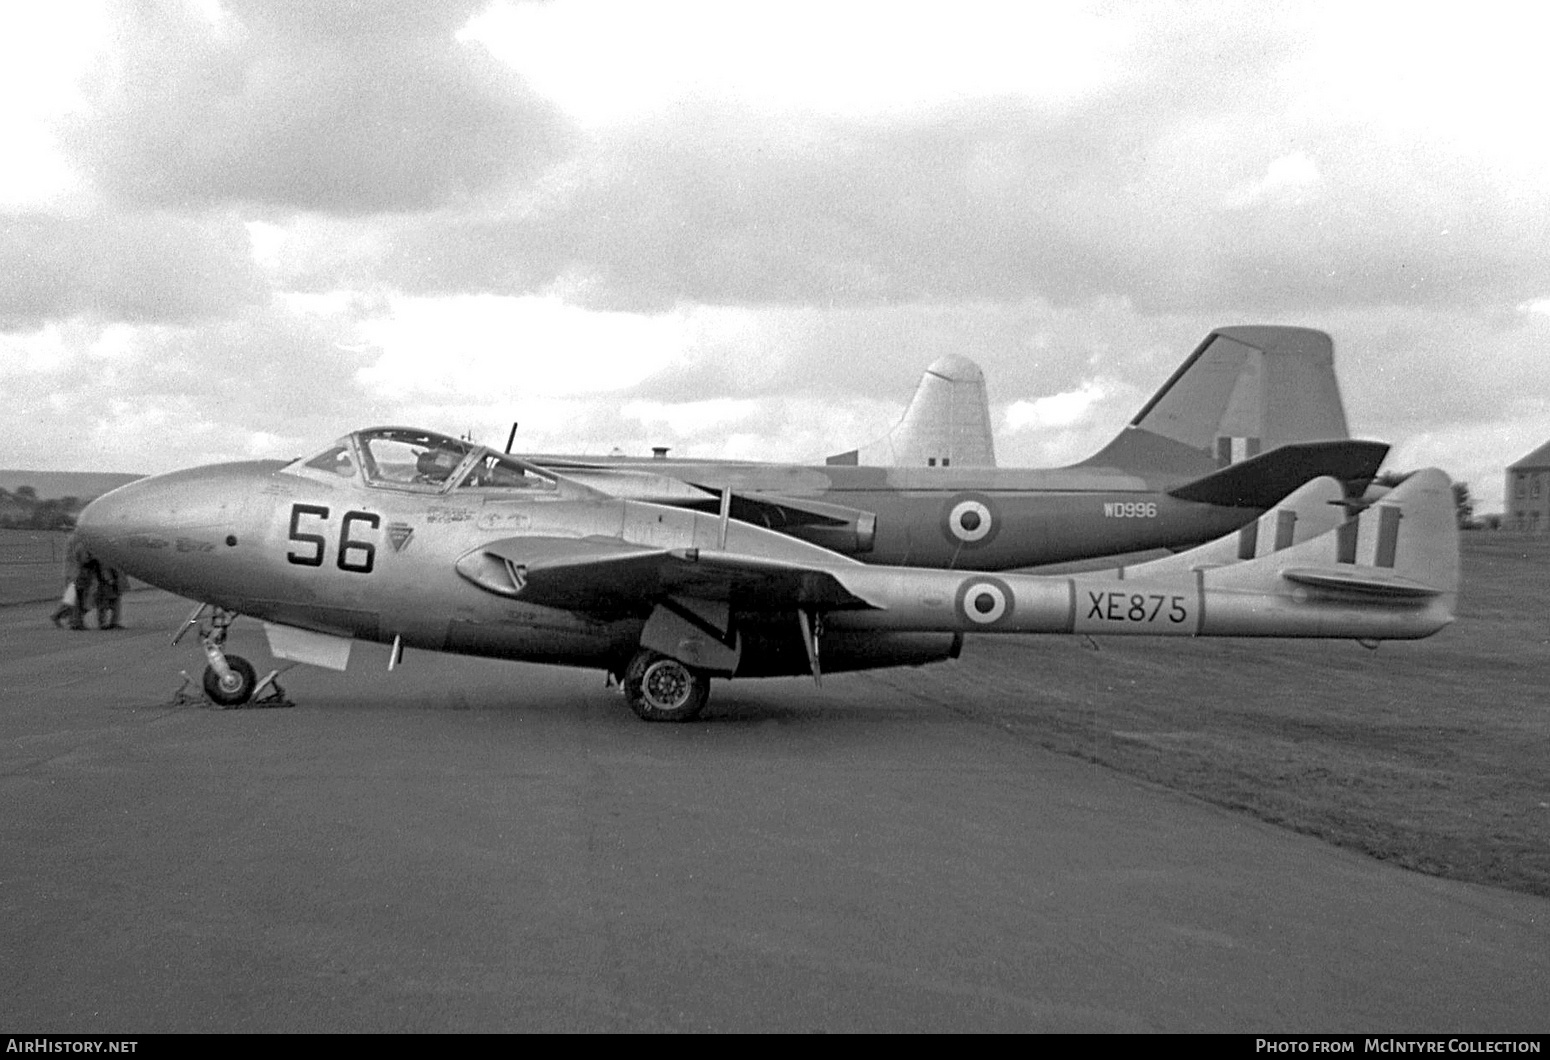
<point>606,574</point>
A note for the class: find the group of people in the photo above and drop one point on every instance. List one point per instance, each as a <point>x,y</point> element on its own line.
<point>89,583</point>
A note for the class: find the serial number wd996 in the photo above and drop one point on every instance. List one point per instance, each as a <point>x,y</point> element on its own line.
<point>1130,509</point>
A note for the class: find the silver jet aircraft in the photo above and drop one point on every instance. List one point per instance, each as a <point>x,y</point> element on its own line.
<point>1252,414</point>
<point>419,540</point>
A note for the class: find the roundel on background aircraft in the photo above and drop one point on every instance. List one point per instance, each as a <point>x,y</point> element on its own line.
<point>970,520</point>
<point>986,602</point>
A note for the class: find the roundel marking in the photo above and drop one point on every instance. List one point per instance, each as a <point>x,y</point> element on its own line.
<point>970,521</point>
<point>986,601</point>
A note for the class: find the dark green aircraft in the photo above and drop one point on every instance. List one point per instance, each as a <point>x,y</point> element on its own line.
<point>1252,414</point>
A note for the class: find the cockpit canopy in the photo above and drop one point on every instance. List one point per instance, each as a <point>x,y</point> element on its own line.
<point>419,461</point>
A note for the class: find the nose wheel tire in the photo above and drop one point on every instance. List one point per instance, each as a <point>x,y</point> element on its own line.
<point>660,688</point>
<point>234,690</point>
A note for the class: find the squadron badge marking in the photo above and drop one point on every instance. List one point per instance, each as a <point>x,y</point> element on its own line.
<point>399,535</point>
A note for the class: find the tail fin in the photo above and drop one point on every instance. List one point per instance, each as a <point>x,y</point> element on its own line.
<point>1306,570</point>
<point>1405,544</point>
<point>1244,391</point>
<point>947,423</point>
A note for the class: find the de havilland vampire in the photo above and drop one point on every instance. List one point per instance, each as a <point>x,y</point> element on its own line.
<point>415,539</point>
<point>1250,415</point>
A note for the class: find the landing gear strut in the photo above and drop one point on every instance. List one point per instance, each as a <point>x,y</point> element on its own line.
<point>229,680</point>
<point>660,688</point>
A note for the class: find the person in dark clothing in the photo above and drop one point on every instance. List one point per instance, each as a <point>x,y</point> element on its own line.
<point>87,572</point>
<point>81,571</point>
<point>110,588</point>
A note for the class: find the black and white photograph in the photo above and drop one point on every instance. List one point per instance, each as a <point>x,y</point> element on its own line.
<point>583,516</point>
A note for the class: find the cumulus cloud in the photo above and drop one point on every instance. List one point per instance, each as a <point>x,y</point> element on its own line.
<point>993,201</point>
<point>159,267</point>
<point>1056,410</point>
<point>1287,180</point>
<point>156,397</point>
<point>331,106</point>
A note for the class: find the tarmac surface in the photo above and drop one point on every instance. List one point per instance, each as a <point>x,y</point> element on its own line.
<point>465,845</point>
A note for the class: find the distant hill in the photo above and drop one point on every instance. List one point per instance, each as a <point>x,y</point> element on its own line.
<point>51,485</point>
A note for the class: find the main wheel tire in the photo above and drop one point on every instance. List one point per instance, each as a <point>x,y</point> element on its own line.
<point>235,691</point>
<point>660,688</point>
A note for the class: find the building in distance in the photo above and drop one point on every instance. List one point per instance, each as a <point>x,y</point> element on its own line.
<point>1528,493</point>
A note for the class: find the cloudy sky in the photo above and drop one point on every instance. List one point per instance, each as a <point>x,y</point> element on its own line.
<point>236,228</point>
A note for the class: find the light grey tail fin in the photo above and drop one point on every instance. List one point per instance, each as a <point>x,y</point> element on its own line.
<point>1244,391</point>
<point>947,423</point>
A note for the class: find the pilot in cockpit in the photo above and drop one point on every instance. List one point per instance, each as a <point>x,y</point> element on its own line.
<point>434,465</point>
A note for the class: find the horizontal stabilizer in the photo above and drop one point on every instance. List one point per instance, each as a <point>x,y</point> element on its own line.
<point>1261,481</point>
<point>1367,580</point>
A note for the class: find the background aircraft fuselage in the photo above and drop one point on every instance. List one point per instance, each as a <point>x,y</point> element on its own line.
<point>951,518</point>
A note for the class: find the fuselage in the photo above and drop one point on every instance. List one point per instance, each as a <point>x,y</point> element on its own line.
<point>304,549</point>
<point>950,518</point>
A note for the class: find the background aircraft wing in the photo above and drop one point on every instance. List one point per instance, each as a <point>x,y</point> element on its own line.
<point>608,575</point>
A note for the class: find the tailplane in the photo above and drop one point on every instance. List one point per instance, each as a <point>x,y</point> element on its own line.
<point>947,423</point>
<point>1260,481</point>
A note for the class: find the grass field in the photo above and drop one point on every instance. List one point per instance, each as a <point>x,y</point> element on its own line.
<point>31,565</point>
<point>1434,755</point>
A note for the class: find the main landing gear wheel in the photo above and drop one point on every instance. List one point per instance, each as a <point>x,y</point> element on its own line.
<point>660,688</point>
<point>235,690</point>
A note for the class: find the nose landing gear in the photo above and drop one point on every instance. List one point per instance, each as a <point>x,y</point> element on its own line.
<point>229,680</point>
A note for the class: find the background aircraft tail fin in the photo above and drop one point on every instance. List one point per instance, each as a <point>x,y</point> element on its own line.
<point>1244,391</point>
<point>947,423</point>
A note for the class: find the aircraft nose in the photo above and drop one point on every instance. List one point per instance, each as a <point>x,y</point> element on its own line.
<point>102,522</point>
<point>168,528</point>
